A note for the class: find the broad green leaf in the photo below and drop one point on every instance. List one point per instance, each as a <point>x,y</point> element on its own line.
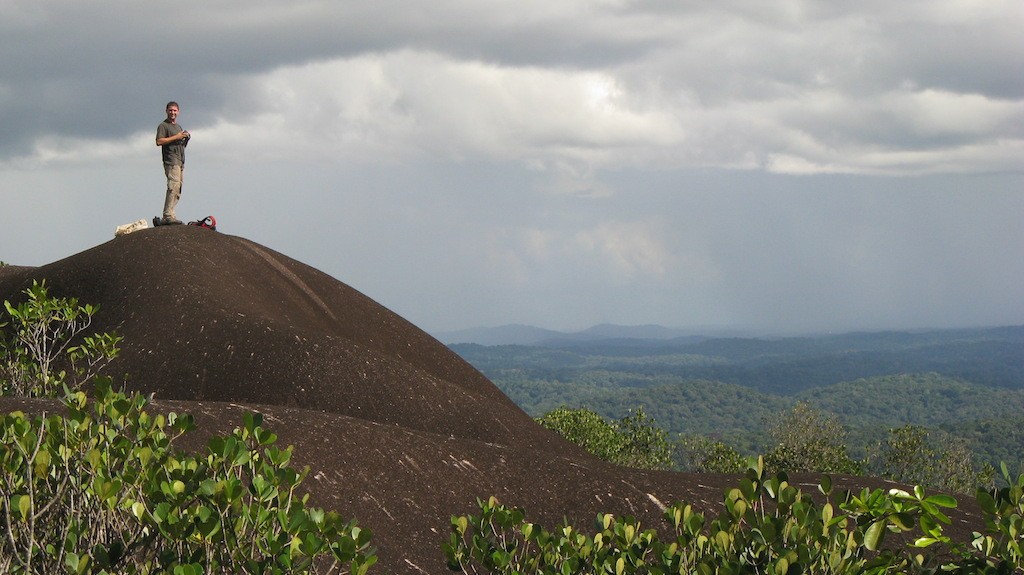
<point>138,509</point>
<point>42,464</point>
<point>24,505</point>
<point>873,535</point>
<point>942,501</point>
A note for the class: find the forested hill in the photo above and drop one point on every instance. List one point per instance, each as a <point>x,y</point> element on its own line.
<point>992,357</point>
<point>967,382</point>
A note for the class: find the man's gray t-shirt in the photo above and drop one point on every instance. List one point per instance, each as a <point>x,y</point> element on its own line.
<point>174,153</point>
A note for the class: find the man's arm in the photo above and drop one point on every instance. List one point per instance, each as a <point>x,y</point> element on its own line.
<point>179,136</point>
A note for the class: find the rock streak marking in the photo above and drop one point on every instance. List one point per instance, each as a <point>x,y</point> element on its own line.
<point>294,279</point>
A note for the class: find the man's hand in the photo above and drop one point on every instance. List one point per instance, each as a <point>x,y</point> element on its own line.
<point>179,137</point>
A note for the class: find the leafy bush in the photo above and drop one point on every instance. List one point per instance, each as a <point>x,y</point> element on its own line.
<point>633,441</point>
<point>101,489</point>
<point>36,343</point>
<point>766,526</point>
<point>705,455</point>
<point>809,440</point>
<point>1002,544</point>
<point>911,455</point>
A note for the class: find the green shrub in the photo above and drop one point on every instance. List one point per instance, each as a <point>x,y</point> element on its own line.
<point>633,441</point>
<point>1001,547</point>
<point>101,489</point>
<point>765,526</point>
<point>806,439</point>
<point>912,455</point>
<point>705,455</point>
<point>40,342</point>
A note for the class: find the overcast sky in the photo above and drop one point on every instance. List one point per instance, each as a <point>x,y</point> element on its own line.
<point>781,166</point>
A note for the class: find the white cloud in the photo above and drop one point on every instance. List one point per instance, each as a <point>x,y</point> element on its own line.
<point>71,151</point>
<point>630,249</point>
<point>519,255</point>
<point>943,113</point>
<point>384,107</point>
<point>620,252</point>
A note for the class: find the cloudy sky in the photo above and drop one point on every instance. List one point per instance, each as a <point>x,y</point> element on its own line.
<point>778,166</point>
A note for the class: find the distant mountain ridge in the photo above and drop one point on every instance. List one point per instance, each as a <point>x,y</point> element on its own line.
<point>511,334</point>
<point>658,336</point>
<point>519,334</point>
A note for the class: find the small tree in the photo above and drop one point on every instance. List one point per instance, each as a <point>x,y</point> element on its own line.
<point>41,341</point>
<point>584,428</point>
<point>644,444</point>
<point>706,455</point>
<point>633,441</point>
<point>912,455</point>
<point>809,440</point>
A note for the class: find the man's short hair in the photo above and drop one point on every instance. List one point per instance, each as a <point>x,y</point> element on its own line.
<point>171,103</point>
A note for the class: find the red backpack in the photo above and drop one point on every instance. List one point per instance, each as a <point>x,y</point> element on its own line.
<point>209,222</point>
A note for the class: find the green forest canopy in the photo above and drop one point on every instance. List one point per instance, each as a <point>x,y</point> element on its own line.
<point>969,383</point>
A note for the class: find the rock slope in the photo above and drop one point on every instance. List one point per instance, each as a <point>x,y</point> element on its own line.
<point>399,432</point>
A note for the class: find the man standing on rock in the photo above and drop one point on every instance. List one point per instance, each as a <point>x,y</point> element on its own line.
<point>172,140</point>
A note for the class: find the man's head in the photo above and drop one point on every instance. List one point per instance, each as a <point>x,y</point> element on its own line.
<point>172,111</point>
